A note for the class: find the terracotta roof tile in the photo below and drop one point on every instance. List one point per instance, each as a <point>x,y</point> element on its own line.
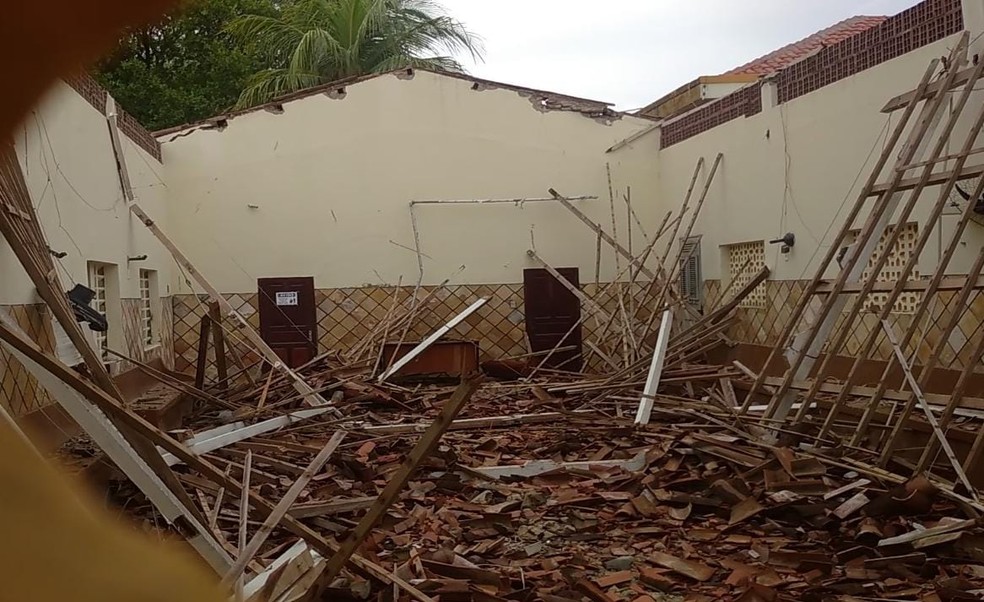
<point>787,55</point>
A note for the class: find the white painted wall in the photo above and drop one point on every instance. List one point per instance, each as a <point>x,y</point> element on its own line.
<point>67,157</point>
<point>333,178</point>
<point>799,167</point>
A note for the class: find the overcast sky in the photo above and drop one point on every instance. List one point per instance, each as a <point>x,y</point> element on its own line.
<point>631,52</point>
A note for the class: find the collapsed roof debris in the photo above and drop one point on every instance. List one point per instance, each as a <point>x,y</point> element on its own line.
<point>647,480</point>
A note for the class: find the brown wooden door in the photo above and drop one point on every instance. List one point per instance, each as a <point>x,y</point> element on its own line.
<point>551,311</point>
<point>288,318</point>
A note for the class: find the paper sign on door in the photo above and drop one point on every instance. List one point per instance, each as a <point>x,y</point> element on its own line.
<point>287,298</point>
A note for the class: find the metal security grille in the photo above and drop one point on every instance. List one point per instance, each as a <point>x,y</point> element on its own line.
<point>97,282</point>
<point>744,261</point>
<point>146,308</point>
<point>690,277</point>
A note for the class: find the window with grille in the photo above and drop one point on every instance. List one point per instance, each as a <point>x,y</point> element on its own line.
<point>690,277</point>
<point>898,257</point>
<point>745,260</point>
<point>147,324</point>
<point>98,283</point>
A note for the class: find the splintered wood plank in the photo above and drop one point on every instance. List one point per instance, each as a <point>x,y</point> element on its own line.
<point>851,506</point>
<point>913,536</point>
<point>846,489</point>
<point>270,522</point>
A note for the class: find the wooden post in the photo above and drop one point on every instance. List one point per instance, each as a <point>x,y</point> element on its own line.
<point>201,362</point>
<point>218,342</point>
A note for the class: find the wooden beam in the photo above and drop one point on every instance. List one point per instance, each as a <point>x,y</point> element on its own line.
<point>936,179</point>
<point>903,100</point>
<point>244,519</point>
<point>114,136</point>
<point>950,283</point>
<point>973,403</point>
<point>602,234</point>
<point>586,300</point>
<point>247,551</point>
<point>818,325</point>
<point>930,417</point>
<point>26,239</point>
<point>424,447</point>
<point>224,435</point>
<point>799,311</point>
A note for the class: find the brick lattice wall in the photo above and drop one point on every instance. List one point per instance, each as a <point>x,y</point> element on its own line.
<point>89,89</point>
<point>922,24</point>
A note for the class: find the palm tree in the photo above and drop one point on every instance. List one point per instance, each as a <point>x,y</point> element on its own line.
<point>313,42</point>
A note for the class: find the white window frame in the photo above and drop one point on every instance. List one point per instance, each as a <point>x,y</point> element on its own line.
<point>104,280</point>
<point>97,282</point>
<point>150,308</point>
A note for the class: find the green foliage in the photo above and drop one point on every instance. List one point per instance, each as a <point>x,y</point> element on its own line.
<point>187,67</point>
<point>311,42</point>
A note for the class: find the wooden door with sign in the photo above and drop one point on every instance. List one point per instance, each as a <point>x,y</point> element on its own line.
<point>551,312</point>
<point>288,318</point>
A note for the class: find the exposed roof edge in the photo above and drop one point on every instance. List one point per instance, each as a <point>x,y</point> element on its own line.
<point>728,78</point>
<point>641,133</point>
<point>543,99</point>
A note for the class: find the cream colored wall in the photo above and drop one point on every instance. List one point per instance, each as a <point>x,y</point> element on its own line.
<point>67,157</point>
<point>332,180</point>
<point>797,167</point>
